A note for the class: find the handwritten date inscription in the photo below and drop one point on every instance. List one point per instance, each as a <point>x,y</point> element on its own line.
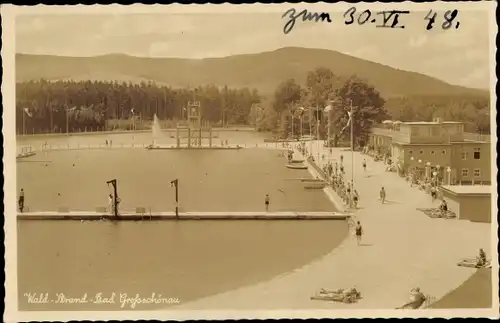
<point>382,19</point>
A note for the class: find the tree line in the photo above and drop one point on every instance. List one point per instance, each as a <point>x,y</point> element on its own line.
<point>473,111</point>
<point>60,106</point>
<point>321,108</point>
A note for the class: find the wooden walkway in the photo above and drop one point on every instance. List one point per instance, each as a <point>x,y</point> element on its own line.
<point>134,216</point>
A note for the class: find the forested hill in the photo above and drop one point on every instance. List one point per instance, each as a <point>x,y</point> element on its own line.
<point>263,71</point>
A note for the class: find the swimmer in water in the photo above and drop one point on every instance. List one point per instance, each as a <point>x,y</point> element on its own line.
<point>21,200</point>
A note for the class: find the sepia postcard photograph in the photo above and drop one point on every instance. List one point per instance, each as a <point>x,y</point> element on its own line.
<point>250,161</point>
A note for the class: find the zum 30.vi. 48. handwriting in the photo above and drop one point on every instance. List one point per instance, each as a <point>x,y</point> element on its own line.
<point>381,19</point>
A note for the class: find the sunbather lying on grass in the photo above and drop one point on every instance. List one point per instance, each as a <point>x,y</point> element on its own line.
<point>417,299</point>
<point>479,262</point>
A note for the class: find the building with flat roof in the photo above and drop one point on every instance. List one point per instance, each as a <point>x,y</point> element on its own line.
<point>438,147</point>
<point>469,202</point>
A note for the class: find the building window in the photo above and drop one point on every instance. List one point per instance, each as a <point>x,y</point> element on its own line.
<point>465,172</point>
<point>432,152</point>
<point>410,152</point>
<point>443,151</point>
<point>477,172</point>
<point>421,152</point>
<point>477,153</point>
<point>464,155</point>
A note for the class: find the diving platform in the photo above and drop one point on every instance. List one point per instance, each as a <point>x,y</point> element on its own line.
<point>138,216</point>
<point>25,155</point>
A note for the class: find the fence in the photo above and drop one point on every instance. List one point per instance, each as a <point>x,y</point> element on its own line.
<point>477,137</point>
<point>68,146</point>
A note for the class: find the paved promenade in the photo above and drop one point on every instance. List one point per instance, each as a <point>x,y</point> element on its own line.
<point>402,248</point>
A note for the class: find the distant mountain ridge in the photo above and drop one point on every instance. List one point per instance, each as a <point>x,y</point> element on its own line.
<point>263,71</point>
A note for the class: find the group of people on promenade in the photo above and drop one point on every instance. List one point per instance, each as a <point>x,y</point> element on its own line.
<point>334,173</point>
<point>430,186</point>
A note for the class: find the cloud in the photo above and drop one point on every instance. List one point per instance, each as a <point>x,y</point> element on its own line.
<point>477,78</point>
<point>29,24</point>
<point>458,55</point>
<point>158,49</point>
<point>418,41</point>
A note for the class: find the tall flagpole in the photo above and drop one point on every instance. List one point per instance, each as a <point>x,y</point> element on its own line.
<point>67,122</point>
<point>352,151</point>
<point>329,129</point>
<point>317,136</point>
<point>310,129</point>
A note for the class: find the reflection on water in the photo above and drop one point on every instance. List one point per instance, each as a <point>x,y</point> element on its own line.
<point>209,180</point>
<point>250,138</point>
<point>185,260</point>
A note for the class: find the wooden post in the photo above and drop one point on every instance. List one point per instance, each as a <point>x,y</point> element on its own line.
<point>189,137</point>
<point>199,137</point>
<point>210,136</point>
<point>178,137</point>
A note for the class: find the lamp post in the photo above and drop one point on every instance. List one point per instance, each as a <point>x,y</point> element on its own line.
<point>67,121</point>
<point>448,170</point>
<point>317,137</point>
<point>175,183</point>
<point>419,168</point>
<point>428,170</point>
<point>438,168</point>
<point>301,134</point>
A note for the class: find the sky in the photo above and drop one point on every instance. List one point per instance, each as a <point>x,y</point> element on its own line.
<point>457,56</point>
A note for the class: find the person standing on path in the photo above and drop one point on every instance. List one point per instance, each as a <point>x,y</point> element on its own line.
<point>382,195</point>
<point>266,202</point>
<point>364,165</point>
<point>21,201</point>
<point>355,199</point>
<point>433,193</point>
<point>359,232</point>
<point>348,193</point>
<point>341,159</point>
<point>110,203</point>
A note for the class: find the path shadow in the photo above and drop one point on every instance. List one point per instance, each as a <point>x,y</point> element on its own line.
<point>392,202</point>
<point>365,244</point>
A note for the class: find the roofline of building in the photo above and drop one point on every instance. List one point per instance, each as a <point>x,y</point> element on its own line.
<point>445,189</point>
<point>409,144</point>
<point>440,144</point>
